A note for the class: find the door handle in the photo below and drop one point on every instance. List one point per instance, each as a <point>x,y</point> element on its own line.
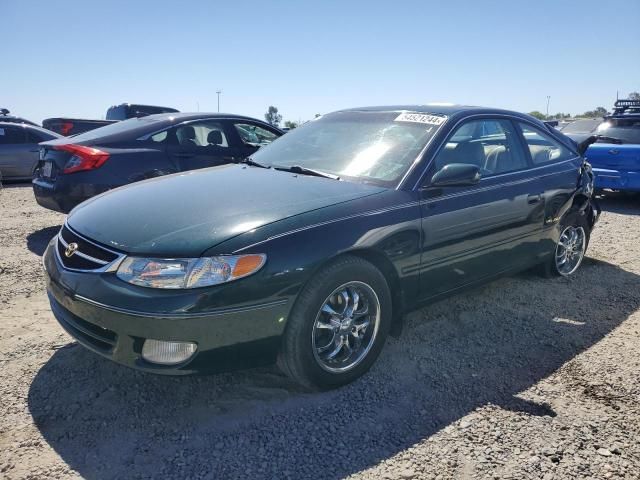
<point>534,198</point>
<point>229,159</point>
<point>184,155</point>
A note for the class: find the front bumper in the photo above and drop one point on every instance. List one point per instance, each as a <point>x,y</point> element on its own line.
<point>617,180</point>
<point>228,338</point>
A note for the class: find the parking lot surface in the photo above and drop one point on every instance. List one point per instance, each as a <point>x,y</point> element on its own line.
<point>524,378</point>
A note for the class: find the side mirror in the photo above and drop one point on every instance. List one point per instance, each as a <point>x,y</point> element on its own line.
<point>456,174</point>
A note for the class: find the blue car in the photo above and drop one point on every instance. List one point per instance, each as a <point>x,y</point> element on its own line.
<point>615,157</point>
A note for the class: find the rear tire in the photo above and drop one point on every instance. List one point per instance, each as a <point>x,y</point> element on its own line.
<point>571,246</point>
<point>337,326</point>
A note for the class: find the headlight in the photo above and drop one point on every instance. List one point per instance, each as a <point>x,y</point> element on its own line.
<point>188,272</point>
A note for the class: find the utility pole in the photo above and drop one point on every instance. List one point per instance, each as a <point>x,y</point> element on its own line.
<point>548,98</point>
<point>218,92</point>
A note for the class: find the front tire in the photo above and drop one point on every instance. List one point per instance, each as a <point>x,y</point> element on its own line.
<point>571,246</point>
<point>337,326</point>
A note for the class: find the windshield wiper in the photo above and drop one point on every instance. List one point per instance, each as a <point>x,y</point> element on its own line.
<point>308,171</point>
<point>250,161</point>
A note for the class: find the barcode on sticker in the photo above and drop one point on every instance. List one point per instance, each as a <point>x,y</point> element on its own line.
<point>421,118</point>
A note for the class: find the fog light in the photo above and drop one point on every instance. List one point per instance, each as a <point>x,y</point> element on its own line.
<point>167,353</point>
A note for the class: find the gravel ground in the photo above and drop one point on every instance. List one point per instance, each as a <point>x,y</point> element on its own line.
<point>523,378</point>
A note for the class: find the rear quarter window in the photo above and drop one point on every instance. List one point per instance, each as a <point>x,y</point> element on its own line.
<point>543,148</point>
<point>140,125</point>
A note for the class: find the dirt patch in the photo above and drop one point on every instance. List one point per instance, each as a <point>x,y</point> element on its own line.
<point>523,378</point>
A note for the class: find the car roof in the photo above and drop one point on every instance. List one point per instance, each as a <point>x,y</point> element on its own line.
<point>455,112</point>
<point>182,116</point>
<point>448,109</point>
<point>139,126</point>
<point>438,108</point>
<point>13,119</point>
<point>441,108</point>
<point>29,126</point>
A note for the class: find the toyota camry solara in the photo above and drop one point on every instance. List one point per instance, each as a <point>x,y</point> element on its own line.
<point>308,253</point>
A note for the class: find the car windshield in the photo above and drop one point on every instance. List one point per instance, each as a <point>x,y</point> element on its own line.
<point>581,126</point>
<point>627,130</point>
<point>369,147</point>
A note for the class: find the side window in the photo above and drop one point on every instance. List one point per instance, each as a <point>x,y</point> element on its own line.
<point>204,134</point>
<point>543,148</point>
<point>12,135</point>
<point>33,137</point>
<point>254,135</point>
<point>159,137</point>
<point>490,144</point>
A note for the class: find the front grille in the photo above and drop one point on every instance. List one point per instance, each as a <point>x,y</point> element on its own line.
<point>86,256</point>
<point>98,337</point>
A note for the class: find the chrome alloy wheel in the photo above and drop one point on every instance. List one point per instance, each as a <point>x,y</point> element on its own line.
<point>346,326</point>
<point>570,250</point>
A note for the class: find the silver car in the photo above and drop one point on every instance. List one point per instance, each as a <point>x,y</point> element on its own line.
<point>19,149</point>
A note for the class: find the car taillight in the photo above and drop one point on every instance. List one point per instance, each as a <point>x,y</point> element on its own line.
<point>83,158</point>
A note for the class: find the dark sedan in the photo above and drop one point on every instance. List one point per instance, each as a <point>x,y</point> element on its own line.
<point>311,251</point>
<point>74,169</point>
<point>19,149</point>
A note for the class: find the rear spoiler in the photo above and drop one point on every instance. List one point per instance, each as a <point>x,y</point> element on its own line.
<point>583,145</point>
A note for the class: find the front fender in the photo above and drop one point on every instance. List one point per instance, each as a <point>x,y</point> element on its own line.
<point>385,229</point>
<point>585,198</point>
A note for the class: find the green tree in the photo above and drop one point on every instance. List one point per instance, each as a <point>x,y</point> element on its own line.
<point>598,112</point>
<point>272,116</point>
<point>290,124</point>
<point>634,96</point>
<point>538,115</point>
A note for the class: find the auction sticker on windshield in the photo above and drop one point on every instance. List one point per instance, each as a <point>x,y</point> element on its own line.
<point>421,118</point>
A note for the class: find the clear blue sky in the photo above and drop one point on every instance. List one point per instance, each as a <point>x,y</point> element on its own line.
<point>77,57</point>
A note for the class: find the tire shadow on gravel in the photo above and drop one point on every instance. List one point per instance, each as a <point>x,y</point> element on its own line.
<point>37,241</point>
<point>479,348</point>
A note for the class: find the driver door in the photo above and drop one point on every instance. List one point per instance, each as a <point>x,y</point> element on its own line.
<point>475,232</point>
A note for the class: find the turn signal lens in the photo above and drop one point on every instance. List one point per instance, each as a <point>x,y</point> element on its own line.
<point>246,265</point>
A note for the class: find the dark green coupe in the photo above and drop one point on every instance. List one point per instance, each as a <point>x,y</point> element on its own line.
<point>309,252</point>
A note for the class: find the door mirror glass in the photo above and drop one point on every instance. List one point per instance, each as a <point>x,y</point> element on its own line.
<point>456,174</point>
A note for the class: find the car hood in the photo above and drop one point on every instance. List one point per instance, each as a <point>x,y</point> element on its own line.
<point>185,214</point>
